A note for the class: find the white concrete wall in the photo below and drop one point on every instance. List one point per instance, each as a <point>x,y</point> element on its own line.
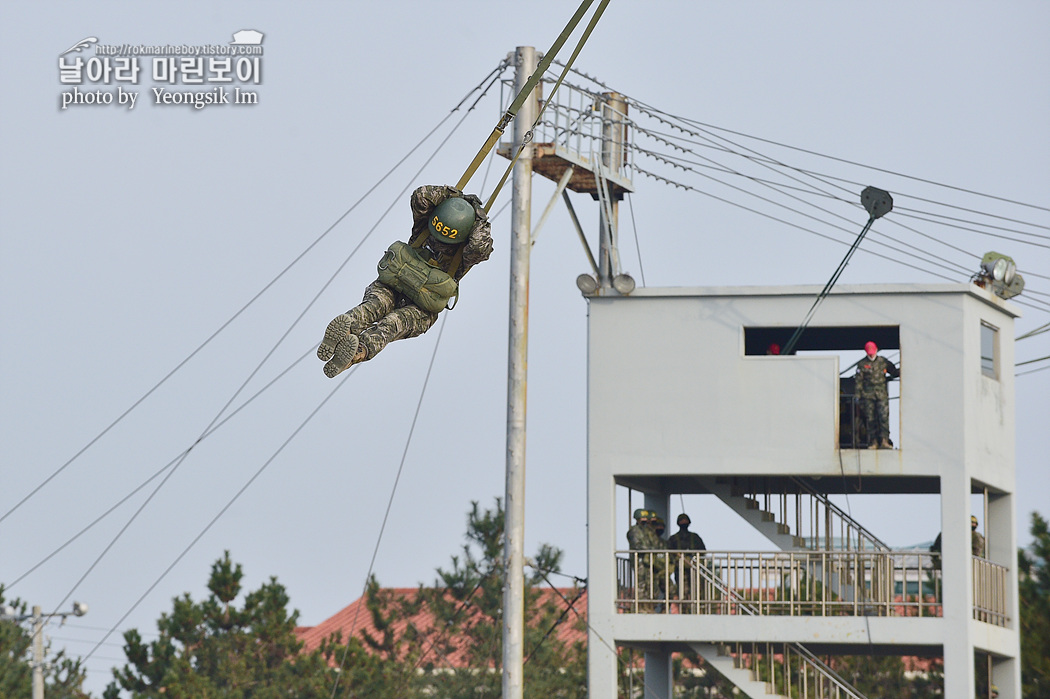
<point>671,390</point>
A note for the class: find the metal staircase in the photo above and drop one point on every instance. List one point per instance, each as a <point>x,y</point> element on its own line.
<point>761,670</point>
<point>795,521</point>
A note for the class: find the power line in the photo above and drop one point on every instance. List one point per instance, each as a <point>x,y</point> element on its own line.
<point>1032,361</point>
<point>949,266</point>
<point>693,122</point>
<point>390,500</point>
<point>765,161</point>
<point>265,288</point>
<point>259,366</point>
<point>676,161</point>
<point>220,514</point>
<point>789,223</point>
<point>142,485</point>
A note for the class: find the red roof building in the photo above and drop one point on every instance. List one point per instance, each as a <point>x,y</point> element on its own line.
<point>355,620</point>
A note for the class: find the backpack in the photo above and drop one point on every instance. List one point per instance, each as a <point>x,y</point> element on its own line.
<point>404,270</point>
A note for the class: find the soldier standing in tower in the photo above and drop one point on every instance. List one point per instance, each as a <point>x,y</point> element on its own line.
<point>685,564</point>
<point>872,375</point>
<point>450,234</point>
<point>976,539</point>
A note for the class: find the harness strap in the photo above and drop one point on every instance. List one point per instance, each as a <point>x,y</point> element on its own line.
<point>528,88</point>
<point>523,95</point>
<point>457,258</point>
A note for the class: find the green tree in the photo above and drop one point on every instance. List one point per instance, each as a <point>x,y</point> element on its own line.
<point>214,649</point>
<point>63,676</point>
<point>1034,587</point>
<point>466,602</point>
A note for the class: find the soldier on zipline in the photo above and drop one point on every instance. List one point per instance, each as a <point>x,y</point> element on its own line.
<point>417,280</point>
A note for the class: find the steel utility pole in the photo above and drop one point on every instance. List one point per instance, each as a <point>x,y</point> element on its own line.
<point>7,613</point>
<point>613,107</point>
<point>517,361</point>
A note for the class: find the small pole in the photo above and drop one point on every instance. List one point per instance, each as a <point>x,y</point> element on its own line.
<point>38,653</point>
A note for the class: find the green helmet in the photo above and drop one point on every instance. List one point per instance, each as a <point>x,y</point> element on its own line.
<point>452,220</point>
<point>640,514</point>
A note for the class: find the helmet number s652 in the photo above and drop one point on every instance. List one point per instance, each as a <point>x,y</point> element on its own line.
<point>444,230</point>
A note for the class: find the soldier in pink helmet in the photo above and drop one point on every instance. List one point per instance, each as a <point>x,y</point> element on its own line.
<point>873,373</point>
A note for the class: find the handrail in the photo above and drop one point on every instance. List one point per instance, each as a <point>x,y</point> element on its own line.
<point>877,543</point>
<point>817,583</point>
<point>989,592</point>
<point>803,652</point>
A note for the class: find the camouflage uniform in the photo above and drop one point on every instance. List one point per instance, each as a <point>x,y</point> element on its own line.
<point>648,567</point>
<point>385,315</point>
<point>685,540</point>
<point>977,544</point>
<point>874,397</point>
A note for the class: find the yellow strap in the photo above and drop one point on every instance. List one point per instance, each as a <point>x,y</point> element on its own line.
<point>523,95</point>
<point>579,46</point>
<point>457,258</point>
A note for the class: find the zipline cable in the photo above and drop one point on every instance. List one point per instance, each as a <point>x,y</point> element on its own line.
<point>878,203</point>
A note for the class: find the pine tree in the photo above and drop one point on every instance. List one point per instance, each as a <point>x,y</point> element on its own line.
<point>1034,582</point>
<point>215,649</point>
<point>466,601</point>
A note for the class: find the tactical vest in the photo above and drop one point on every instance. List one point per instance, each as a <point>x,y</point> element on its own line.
<point>405,270</point>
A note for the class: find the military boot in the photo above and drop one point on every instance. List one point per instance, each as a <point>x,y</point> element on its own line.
<point>346,353</point>
<point>885,443</point>
<point>336,331</point>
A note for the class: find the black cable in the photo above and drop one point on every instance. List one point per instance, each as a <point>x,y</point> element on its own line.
<point>948,265</point>
<point>619,660</point>
<point>161,470</point>
<point>565,613</point>
<point>220,514</point>
<point>986,233</point>
<point>952,267</point>
<point>1035,331</point>
<point>786,223</point>
<point>1032,361</point>
<point>693,122</point>
<point>250,301</point>
<point>761,159</point>
<point>258,367</point>
<point>789,348</point>
<point>390,500</point>
<point>780,188</point>
<point>956,219</point>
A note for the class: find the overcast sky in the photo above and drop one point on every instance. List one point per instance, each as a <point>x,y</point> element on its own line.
<point>130,236</point>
